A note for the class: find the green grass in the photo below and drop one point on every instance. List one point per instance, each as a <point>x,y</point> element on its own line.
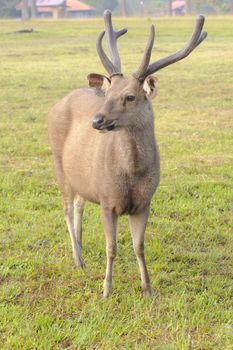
<point>46,303</point>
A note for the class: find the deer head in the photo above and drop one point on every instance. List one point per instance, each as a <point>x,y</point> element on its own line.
<point>127,99</point>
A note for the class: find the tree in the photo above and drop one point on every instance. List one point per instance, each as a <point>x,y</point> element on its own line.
<point>188,6</point>
<point>8,8</point>
<point>25,10</point>
<point>212,6</point>
<point>102,5</point>
<point>123,8</point>
<point>170,7</point>
<point>33,8</point>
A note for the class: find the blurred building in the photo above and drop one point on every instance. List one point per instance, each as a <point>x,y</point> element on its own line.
<point>51,8</point>
<point>62,8</point>
<point>77,8</point>
<point>178,7</point>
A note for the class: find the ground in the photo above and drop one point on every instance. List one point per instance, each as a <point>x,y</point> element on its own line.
<point>46,303</point>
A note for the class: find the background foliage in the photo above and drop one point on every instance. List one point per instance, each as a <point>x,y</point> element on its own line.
<point>7,8</point>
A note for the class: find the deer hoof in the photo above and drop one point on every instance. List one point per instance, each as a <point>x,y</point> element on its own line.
<point>148,292</point>
<point>107,289</point>
<point>79,262</point>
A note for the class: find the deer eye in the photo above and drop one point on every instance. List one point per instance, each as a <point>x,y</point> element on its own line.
<point>130,98</point>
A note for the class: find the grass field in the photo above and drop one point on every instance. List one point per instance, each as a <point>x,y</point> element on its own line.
<point>46,303</point>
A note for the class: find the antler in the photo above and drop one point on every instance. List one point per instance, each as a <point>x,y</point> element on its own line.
<point>145,69</point>
<point>113,67</point>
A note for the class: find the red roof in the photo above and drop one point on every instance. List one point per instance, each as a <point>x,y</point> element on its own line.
<point>72,5</point>
<point>76,5</point>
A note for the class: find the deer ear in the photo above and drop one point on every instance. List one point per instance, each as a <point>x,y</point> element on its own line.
<point>98,80</point>
<point>150,87</point>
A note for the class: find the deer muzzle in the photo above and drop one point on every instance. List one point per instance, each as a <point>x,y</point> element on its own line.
<point>99,122</point>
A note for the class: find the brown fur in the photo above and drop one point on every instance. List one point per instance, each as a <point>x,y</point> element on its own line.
<point>118,169</point>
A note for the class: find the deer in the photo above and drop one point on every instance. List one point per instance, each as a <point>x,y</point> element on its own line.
<point>105,150</point>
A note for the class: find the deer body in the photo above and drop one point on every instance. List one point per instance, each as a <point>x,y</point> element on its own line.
<point>119,170</point>
<point>105,150</point>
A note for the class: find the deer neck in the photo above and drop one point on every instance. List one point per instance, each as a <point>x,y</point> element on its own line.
<point>136,150</point>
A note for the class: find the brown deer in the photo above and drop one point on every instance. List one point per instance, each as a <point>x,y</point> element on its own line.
<point>104,146</point>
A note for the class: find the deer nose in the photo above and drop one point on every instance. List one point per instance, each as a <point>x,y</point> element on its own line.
<point>98,121</point>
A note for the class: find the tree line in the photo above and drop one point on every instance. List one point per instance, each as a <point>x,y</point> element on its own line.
<point>125,7</point>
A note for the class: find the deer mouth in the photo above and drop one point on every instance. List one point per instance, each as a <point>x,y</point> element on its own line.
<point>100,123</point>
<point>108,127</point>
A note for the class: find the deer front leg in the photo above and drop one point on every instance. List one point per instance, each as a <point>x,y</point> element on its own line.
<point>109,219</point>
<point>138,224</point>
<point>78,215</point>
<point>69,218</point>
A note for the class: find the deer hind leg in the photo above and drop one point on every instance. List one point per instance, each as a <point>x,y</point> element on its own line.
<point>138,224</point>
<point>109,219</point>
<point>78,215</point>
<point>73,218</point>
<point>73,209</point>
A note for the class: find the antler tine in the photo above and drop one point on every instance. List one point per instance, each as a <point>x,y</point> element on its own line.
<point>197,37</point>
<point>112,67</point>
<point>103,57</point>
<point>202,37</point>
<point>147,54</point>
<point>112,37</point>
